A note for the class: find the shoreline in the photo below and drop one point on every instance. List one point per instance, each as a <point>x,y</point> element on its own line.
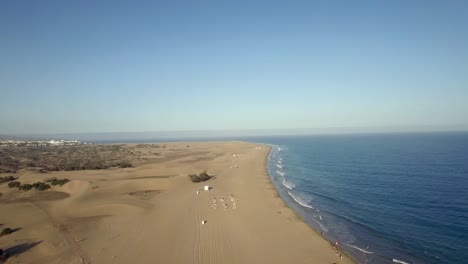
<point>317,233</point>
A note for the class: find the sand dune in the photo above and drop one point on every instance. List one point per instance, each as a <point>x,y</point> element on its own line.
<point>152,213</point>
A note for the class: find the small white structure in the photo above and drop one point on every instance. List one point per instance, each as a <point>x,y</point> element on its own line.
<point>206,188</point>
<point>198,192</point>
<point>203,222</point>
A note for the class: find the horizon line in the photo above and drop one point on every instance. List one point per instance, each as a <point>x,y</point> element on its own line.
<point>230,133</point>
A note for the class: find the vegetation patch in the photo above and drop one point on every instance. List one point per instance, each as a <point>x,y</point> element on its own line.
<point>148,146</point>
<point>41,186</point>
<point>6,231</point>
<point>64,158</point>
<point>7,179</point>
<point>54,181</point>
<point>25,187</point>
<point>204,176</point>
<point>14,184</point>
<point>125,164</point>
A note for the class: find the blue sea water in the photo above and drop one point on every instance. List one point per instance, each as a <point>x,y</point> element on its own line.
<point>396,198</point>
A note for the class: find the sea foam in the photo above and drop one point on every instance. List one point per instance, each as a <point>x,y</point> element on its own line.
<point>287,184</point>
<point>360,249</point>
<point>282,174</point>
<point>400,261</point>
<point>300,201</point>
<point>322,226</point>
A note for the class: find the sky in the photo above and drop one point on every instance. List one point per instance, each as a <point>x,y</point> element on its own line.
<point>134,66</point>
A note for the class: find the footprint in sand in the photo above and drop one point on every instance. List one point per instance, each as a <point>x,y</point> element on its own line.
<point>233,201</point>
<point>213,202</point>
<point>224,201</point>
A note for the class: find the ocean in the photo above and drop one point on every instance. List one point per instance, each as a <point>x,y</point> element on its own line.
<point>395,198</point>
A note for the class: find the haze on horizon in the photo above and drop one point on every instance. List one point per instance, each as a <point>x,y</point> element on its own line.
<point>120,66</point>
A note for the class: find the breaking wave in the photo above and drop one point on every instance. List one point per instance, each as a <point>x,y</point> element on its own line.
<point>400,261</point>
<point>287,184</point>
<point>282,174</point>
<point>360,249</point>
<point>300,201</point>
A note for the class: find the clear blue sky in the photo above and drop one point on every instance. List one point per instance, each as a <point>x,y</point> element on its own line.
<point>114,66</point>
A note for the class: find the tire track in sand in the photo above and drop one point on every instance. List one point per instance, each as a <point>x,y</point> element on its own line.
<point>213,242</point>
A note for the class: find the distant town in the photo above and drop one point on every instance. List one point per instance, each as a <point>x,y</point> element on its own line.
<point>10,142</point>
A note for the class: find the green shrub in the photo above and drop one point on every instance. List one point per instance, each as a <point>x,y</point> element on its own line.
<point>40,186</point>
<point>125,164</point>
<point>6,231</point>
<point>200,177</point>
<point>7,179</point>
<point>14,184</point>
<point>60,182</point>
<point>25,187</point>
<point>51,179</point>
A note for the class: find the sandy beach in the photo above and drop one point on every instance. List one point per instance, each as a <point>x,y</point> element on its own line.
<point>152,213</point>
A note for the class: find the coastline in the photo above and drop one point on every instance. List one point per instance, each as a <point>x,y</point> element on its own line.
<point>316,232</point>
<point>153,212</point>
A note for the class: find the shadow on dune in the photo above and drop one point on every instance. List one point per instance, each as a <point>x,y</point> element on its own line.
<point>16,229</point>
<point>12,230</point>
<point>18,249</point>
<point>34,197</point>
